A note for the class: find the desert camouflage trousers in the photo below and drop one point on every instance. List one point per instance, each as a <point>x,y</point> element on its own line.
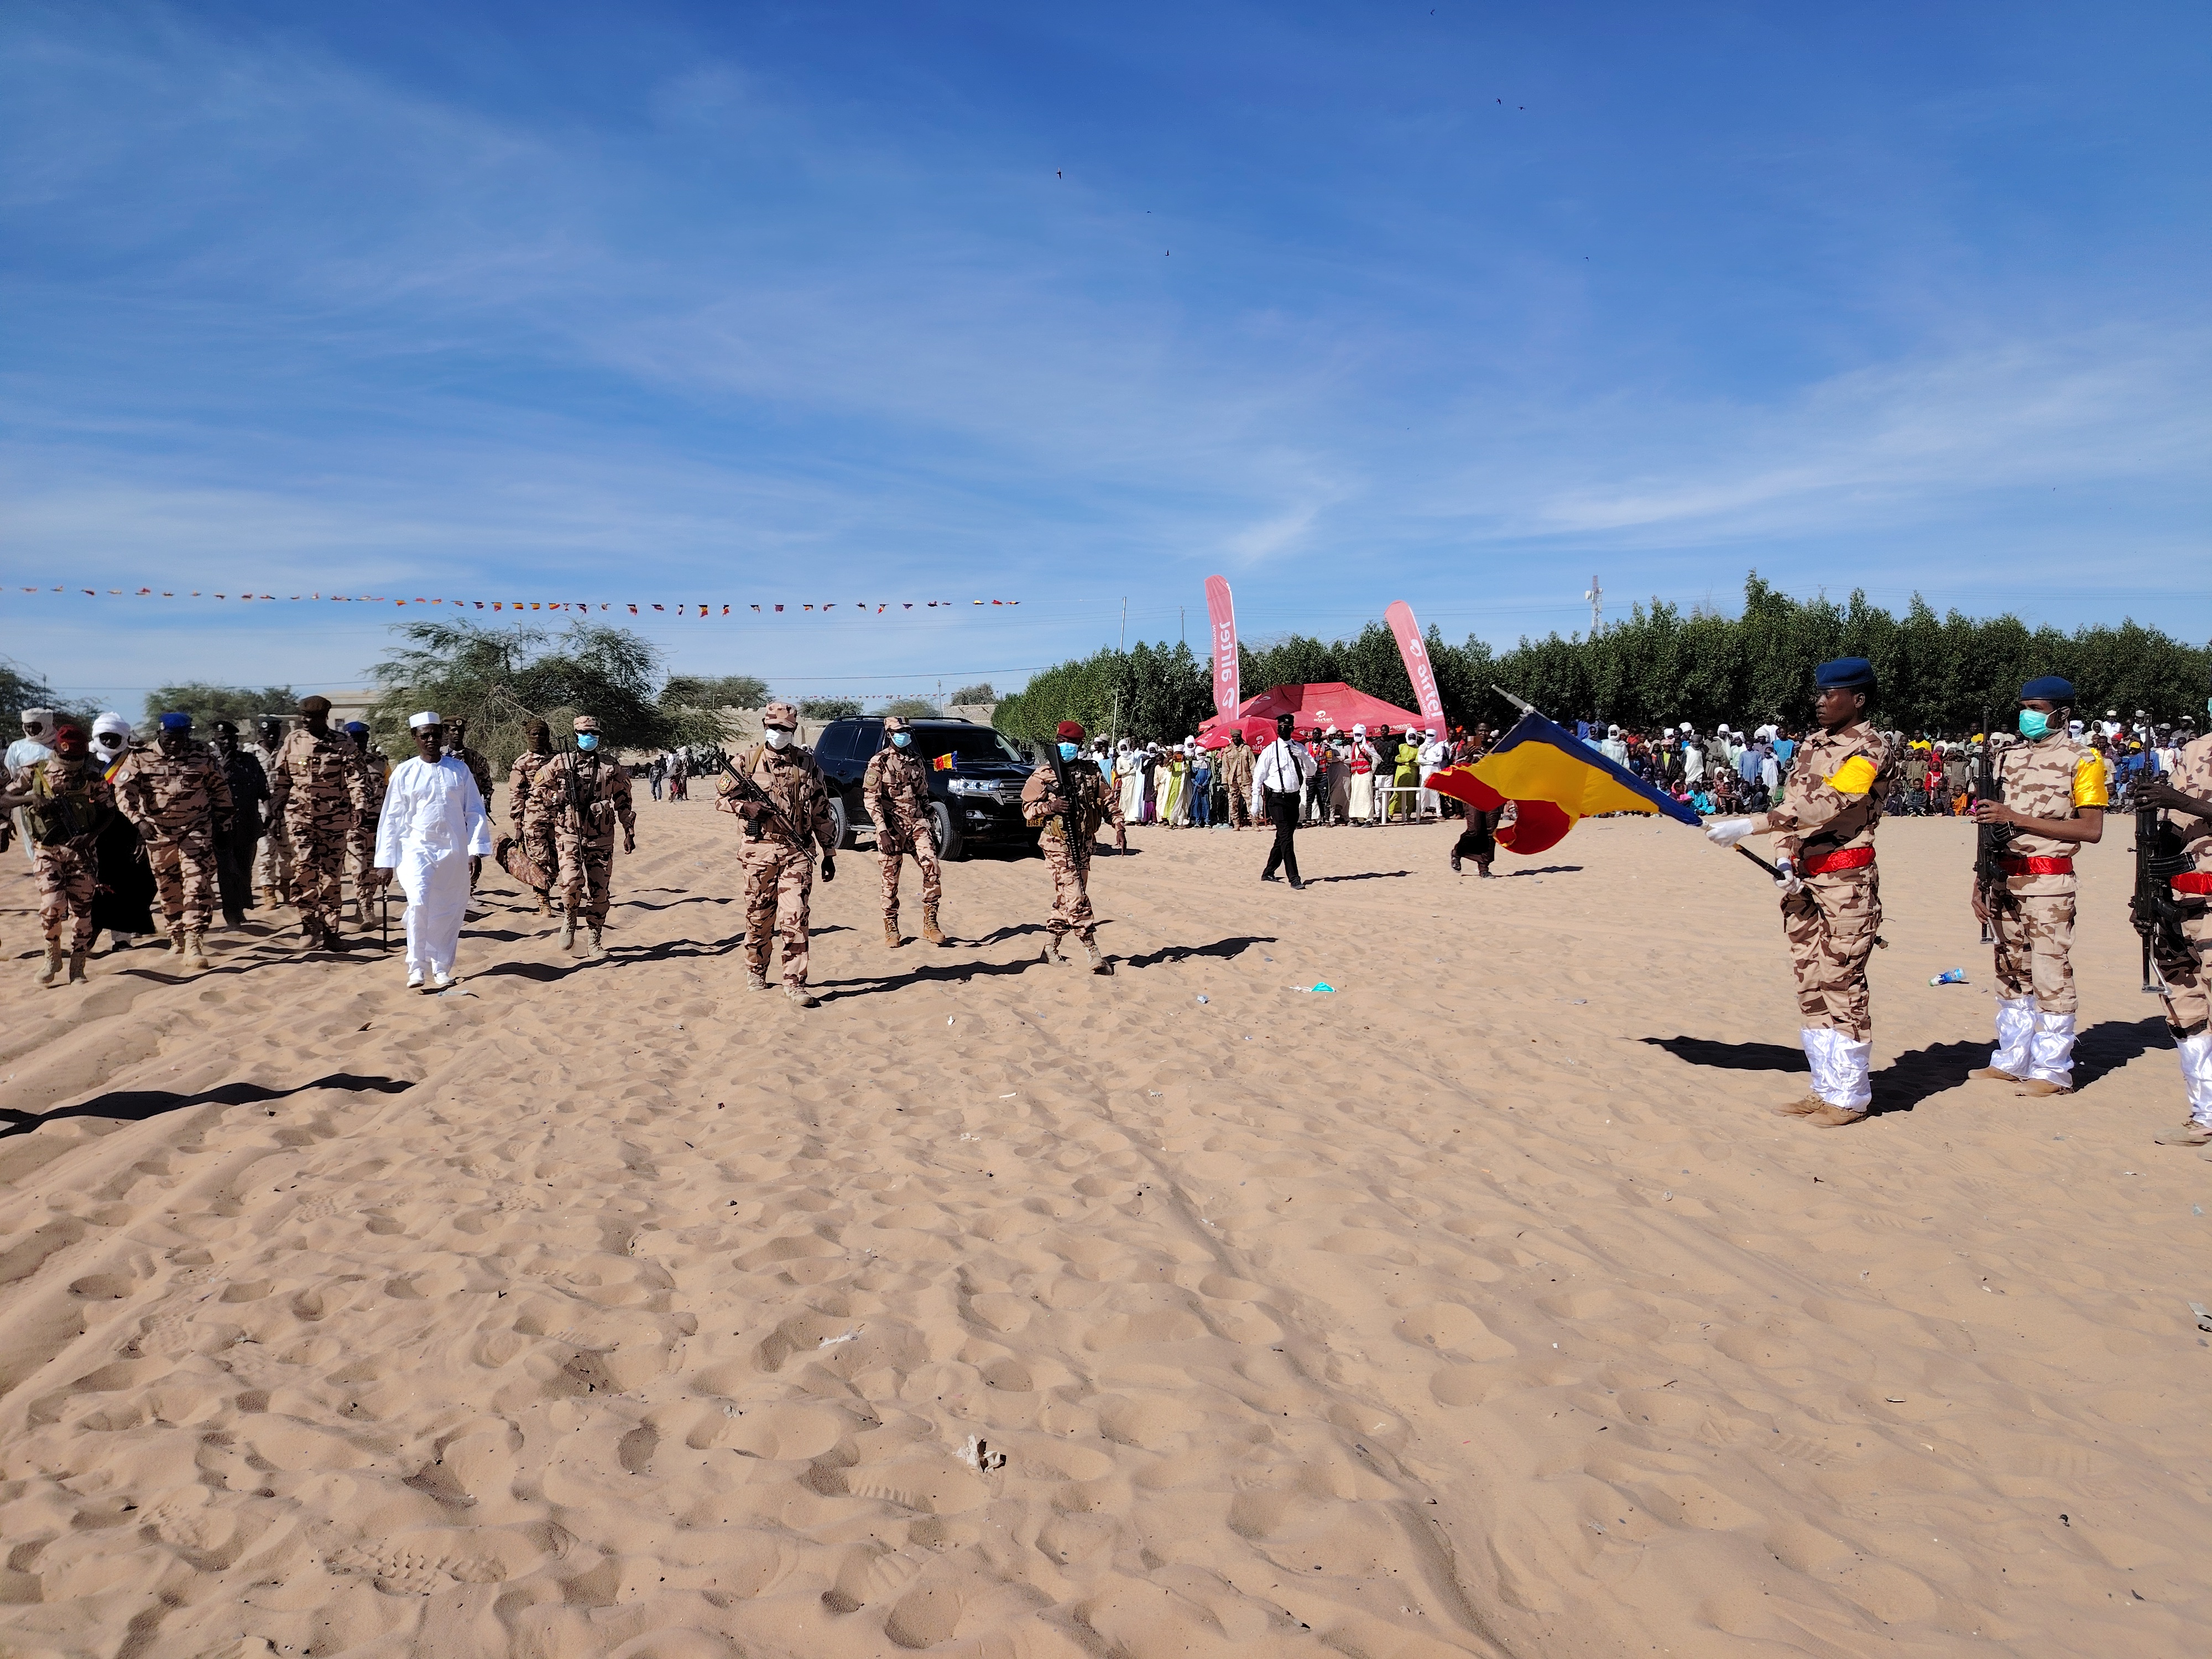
<point>2189,984</point>
<point>66,882</point>
<point>1071,892</point>
<point>2035,951</point>
<point>779,885</point>
<point>586,867</point>
<point>184,875</point>
<point>915,835</point>
<point>272,866</point>
<point>1831,927</point>
<point>319,851</point>
<point>360,858</point>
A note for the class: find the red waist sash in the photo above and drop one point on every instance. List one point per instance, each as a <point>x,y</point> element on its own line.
<point>1851,858</point>
<point>2037,866</point>
<point>2192,881</point>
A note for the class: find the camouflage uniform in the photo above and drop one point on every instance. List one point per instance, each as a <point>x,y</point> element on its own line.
<point>360,834</point>
<point>2189,982</point>
<point>1830,805</point>
<point>66,863</point>
<point>317,789</point>
<point>779,871</point>
<point>272,864</point>
<point>530,809</point>
<point>2032,918</point>
<point>180,803</point>
<point>584,840</point>
<point>1096,805</point>
<point>895,792</point>
<point>479,769</point>
<point>1236,778</point>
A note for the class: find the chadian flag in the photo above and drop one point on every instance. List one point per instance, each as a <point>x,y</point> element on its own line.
<point>1555,778</point>
<point>941,763</point>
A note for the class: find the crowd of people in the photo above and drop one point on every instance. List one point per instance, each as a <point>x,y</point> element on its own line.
<point>1358,776</point>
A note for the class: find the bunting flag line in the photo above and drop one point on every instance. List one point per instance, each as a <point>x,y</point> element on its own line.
<point>642,608</point>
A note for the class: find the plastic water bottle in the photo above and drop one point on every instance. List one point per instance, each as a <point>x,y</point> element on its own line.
<point>1950,977</point>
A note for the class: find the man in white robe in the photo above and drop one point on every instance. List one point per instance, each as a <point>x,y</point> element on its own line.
<point>432,822</point>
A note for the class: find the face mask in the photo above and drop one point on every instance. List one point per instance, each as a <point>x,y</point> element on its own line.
<point>779,737</point>
<point>1067,751</point>
<point>902,740</point>
<point>587,741</point>
<point>2035,723</point>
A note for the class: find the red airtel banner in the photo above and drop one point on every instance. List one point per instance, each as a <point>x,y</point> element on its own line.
<point>1399,616</point>
<point>1223,614</point>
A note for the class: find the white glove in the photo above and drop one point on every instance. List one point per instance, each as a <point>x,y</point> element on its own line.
<point>1788,882</point>
<point>1726,832</point>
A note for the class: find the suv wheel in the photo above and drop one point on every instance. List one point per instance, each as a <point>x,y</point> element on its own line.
<point>949,847</point>
<point>840,823</point>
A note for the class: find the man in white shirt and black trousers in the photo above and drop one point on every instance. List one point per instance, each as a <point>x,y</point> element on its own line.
<point>1280,778</point>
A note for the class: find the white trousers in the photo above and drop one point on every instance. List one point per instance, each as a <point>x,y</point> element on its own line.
<point>437,886</point>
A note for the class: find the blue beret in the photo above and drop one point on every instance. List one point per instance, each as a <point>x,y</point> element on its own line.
<point>175,721</point>
<point>355,728</point>
<point>1845,674</point>
<point>2050,688</point>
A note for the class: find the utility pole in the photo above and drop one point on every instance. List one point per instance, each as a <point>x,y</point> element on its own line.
<point>1597,597</point>
<point>1183,624</point>
<point>1124,645</point>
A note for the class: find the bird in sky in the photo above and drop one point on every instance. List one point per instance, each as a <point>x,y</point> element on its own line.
<point>1059,172</point>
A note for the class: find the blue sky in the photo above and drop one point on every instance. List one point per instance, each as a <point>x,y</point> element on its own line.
<point>759,304</point>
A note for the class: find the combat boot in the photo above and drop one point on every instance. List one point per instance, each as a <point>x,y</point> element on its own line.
<point>891,939</point>
<point>312,933</point>
<point>544,904</point>
<point>195,949</point>
<point>757,979</point>
<point>930,930</point>
<point>1052,949</point>
<point>598,949</point>
<point>76,966</point>
<point>802,996</point>
<point>51,973</point>
<point>177,943</point>
<point>1098,963</point>
<point>567,930</point>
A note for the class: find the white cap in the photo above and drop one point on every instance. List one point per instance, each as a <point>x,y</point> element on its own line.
<point>1358,731</point>
<point>1685,725</point>
<point>427,717</point>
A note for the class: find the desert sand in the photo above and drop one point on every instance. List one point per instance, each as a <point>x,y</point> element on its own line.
<point>1475,1307</point>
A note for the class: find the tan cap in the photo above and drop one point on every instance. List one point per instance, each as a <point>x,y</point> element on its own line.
<point>314,705</point>
<point>587,722</point>
<point>779,714</point>
<point>894,723</point>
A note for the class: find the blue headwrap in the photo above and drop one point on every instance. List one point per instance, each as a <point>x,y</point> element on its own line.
<point>1845,674</point>
<point>176,721</point>
<point>2048,688</point>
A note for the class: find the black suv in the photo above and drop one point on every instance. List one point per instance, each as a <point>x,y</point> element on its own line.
<point>976,801</point>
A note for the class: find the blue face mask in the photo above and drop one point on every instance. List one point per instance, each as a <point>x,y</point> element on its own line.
<point>901,739</point>
<point>2035,723</point>
<point>1067,751</point>
<point>587,740</point>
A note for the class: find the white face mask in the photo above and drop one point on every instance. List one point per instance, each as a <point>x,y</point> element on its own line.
<point>778,738</point>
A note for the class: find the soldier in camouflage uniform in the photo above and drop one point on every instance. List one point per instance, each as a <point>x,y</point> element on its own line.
<point>457,745</point>
<point>272,868</point>
<point>895,792</point>
<point>360,834</point>
<point>1831,895</point>
<point>589,793</point>
<point>2185,798</point>
<point>530,809</point>
<point>779,846</point>
<point>234,851</point>
<point>66,801</point>
<point>2051,791</point>
<point>1068,829</point>
<point>178,796</point>
<point>318,789</point>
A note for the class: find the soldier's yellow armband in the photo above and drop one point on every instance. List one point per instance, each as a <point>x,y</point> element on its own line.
<point>1854,777</point>
<point>2089,783</point>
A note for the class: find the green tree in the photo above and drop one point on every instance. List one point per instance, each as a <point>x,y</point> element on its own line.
<point>208,703</point>
<point>498,678</point>
<point>912,708</point>
<point>714,691</point>
<point>969,696</point>
<point>1150,692</point>
<point>827,708</point>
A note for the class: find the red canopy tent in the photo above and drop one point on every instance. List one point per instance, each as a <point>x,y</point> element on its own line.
<point>1316,708</point>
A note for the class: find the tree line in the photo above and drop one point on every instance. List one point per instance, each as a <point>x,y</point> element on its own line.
<point>1659,666</point>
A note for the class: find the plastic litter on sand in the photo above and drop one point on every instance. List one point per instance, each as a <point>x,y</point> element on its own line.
<point>1950,977</point>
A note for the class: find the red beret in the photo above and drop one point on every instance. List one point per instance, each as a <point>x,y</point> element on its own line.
<point>1071,731</point>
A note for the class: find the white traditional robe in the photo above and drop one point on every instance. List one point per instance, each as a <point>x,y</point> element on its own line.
<point>433,820</point>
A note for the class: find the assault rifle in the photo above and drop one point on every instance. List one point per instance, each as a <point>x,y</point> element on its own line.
<point>1990,840</point>
<point>748,790</point>
<point>2154,912</point>
<point>1065,787</point>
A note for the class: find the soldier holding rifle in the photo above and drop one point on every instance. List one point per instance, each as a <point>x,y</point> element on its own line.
<point>1831,893</point>
<point>778,792</point>
<point>2184,964</point>
<point>2049,798</point>
<point>1068,802</point>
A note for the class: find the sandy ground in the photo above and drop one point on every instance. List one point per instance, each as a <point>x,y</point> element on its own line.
<point>994,1309</point>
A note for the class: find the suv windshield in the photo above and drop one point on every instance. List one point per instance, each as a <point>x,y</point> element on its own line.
<point>972,745</point>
